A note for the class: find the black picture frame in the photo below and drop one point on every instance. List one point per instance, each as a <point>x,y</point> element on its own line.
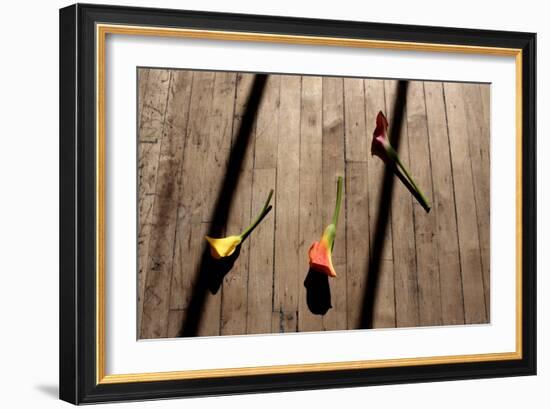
<point>78,236</point>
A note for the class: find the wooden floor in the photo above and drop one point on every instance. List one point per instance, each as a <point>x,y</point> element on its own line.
<point>431,268</point>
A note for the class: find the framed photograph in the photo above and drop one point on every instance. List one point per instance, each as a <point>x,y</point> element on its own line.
<point>257,203</point>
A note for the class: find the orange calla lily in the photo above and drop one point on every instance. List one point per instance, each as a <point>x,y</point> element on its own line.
<point>320,252</point>
<point>226,246</point>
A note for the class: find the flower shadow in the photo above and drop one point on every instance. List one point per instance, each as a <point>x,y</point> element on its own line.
<point>318,296</point>
<point>217,269</point>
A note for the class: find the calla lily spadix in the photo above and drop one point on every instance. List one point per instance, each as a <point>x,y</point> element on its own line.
<point>226,246</point>
<point>381,147</point>
<point>320,252</point>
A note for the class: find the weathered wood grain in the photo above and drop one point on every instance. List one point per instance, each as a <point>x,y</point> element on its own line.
<point>245,83</point>
<point>218,141</point>
<point>287,276</point>
<point>188,249</point>
<point>402,219</point>
<point>384,304</point>
<point>311,223</point>
<point>354,100</point>
<point>443,207</point>
<point>485,141</point>
<point>260,267</point>
<point>356,198</point>
<point>142,85</point>
<point>209,323</point>
<point>207,152</point>
<point>468,236</point>
<point>162,236</point>
<point>235,283</point>
<point>333,166</point>
<point>429,290</point>
<point>357,239</point>
<point>478,135</point>
<point>152,98</point>
<point>267,127</point>
<point>175,319</point>
<point>261,263</point>
<point>432,268</point>
<point>145,216</point>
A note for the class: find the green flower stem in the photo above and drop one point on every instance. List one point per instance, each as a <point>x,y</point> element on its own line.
<point>262,214</point>
<point>338,202</point>
<point>409,177</point>
<point>330,231</point>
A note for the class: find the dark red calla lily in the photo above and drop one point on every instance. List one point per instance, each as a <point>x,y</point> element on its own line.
<point>382,148</point>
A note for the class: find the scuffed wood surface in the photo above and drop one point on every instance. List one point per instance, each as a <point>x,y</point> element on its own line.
<point>433,268</point>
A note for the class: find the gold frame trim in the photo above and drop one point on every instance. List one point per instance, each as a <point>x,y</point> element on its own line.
<point>101,32</point>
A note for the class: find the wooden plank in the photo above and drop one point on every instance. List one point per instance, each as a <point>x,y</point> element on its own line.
<point>148,156</point>
<point>175,320</point>
<point>485,91</point>
<point>142,85</point>
<point>357,236</point>
<point>354,101</point>
<point>153,110</point>
<point>145,217</point>
<point>150,138</point>
<point>384,305</point>
<point>197,147</point>
<point>288,277</point>
<point>188,254</point>
<point>333,165</point>
<point>156,302</point>
<point>470,258</point>
<point>429,293</point>
<point>300,144</point>
<point>218,142</point>
<point>357,239</point>
<point>245,83</point>
<point>267,127</point>
<point>215,153</point>
<point>190,230</point>
<point>189,247</point>
<point>311,224</point>
<point>209,323</point>
<point>260,273</point>
<point>235,283</point>
<point>152,94</point>
<point>478,140</point>
<point>276,322</point>
<point>404,252</point>
<point>443,207</point>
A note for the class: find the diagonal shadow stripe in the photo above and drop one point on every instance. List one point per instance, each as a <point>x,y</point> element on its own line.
<point>222,207</point>
<point>383,215</point>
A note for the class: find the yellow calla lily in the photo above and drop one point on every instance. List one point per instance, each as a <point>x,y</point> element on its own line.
<point>226,246</point>
<point>223,247</point>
